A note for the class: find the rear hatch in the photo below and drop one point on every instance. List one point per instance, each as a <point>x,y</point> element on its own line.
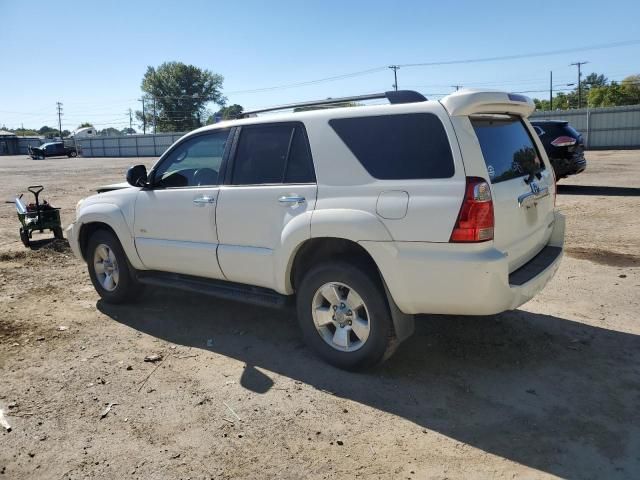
<point>522,185</point>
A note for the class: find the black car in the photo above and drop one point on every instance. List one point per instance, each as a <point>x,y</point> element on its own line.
<point>52,149</point>
<point>564,146</point>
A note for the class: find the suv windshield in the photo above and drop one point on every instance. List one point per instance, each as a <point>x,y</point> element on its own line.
<point>507,147</point>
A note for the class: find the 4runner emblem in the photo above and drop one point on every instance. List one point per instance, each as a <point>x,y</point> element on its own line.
<point>535,188</point>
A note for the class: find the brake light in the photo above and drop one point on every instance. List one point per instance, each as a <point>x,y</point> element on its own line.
<point>564,141</point>
<point>475,220</point>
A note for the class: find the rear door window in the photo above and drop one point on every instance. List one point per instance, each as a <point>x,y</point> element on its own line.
<point>507,148</point>
<point>398,147</point>
<point>272,154</point>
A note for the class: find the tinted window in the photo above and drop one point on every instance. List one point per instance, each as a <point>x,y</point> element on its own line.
<point>300,165</point>
<point>195,162</point>
<point>393,147</point>
<point>507,148</point>
<point>272,154</point>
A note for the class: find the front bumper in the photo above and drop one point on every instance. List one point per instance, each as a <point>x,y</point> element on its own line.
<point>440,278</point>
<point>72,232</point>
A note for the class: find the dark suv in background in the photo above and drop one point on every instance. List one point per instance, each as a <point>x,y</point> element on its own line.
<point>564,146</point>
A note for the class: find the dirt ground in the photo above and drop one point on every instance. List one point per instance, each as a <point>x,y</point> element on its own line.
<point>549,390</point>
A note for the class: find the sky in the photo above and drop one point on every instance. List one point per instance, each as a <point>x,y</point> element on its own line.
<point>92,56</point>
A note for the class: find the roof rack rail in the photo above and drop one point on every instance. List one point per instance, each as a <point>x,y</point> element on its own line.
<point>394,96</point>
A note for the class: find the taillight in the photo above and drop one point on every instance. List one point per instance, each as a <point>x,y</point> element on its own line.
<point>563,141</point>
<point>475,220</point>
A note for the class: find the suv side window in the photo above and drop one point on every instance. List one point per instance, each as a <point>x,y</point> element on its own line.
<point>272,154</point>
<point>398,147</point>
<point>193,163</point>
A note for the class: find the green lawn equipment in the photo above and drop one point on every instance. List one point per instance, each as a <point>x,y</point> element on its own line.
<point>37,216</point>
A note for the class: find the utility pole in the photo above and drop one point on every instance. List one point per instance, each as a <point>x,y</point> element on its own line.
<point>578,64</point>
<point>395,76</point>
<point>550,90</point>
<point>144,118</point>
<point>457,87</point>
<point>130,121</point>
<point>154,115</point>
<point>59,107</point>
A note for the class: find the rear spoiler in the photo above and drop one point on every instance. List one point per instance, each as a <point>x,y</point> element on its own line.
<point>468,102</point>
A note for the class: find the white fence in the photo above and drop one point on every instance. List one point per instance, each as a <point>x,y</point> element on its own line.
<point>127,145</point>
<point>612,127</point>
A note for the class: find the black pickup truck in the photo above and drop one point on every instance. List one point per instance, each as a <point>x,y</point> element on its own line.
<point>52,149</point>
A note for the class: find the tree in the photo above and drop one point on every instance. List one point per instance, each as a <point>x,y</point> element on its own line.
<point>25,132</point>
<point>598,92</point>
<point>631,89</point>
<point>230,112</point>
<point>180,93</point>
<point>48,131</point>
<point>110,132</point>
<point>84,125</point>
<point>594,80</point>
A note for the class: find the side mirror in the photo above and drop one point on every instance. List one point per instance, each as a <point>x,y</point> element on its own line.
<point>137,176</point>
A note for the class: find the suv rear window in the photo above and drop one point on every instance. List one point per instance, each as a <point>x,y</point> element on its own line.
<point>395,147</point>
<point>507,148</point>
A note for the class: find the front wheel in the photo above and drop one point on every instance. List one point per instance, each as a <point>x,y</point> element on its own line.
<point>344,316</point>
<point>110,272</point>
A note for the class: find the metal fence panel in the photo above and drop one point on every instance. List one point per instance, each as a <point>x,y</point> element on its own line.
<point>127,145</point>
<point>612,127</point>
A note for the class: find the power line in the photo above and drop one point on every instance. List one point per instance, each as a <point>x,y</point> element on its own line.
<point>443,62</point>
<point>525,55</point>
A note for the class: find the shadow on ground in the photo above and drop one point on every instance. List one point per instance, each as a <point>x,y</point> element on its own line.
<point>600,191</point>
<point>546,392</point>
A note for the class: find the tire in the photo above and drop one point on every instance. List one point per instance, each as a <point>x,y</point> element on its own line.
<point>123,286</point>
<point>24,237</point>
<point>57,233</point>
<point>329,340</point>
<point>73,154</point>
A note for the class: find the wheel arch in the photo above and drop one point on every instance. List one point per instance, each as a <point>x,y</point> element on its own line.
<point>109,217</point>
<point>323,249</point>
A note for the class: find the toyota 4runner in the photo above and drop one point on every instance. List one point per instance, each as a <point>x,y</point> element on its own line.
<point>364,215</point>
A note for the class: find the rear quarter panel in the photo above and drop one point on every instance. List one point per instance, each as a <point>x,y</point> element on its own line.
<point>432,205</point>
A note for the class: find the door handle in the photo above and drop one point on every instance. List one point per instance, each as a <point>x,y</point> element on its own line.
<point>204,199</point>
<point>291,200</point>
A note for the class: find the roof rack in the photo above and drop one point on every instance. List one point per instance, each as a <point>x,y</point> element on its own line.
<point>394,96</point>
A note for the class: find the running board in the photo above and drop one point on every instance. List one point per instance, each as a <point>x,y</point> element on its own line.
<point>215,288</point>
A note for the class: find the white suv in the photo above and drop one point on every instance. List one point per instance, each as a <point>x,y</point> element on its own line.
<point>369,215</point>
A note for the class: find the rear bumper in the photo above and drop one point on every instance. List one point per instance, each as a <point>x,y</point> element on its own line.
<point>440,278</point>
<point>569,166</point>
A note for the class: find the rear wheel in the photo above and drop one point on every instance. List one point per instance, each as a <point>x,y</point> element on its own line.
<point>24,237</point>
<point>57,233</point>
<point>110,272</point>
<point>73,153</point>
<point>344,315</point>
